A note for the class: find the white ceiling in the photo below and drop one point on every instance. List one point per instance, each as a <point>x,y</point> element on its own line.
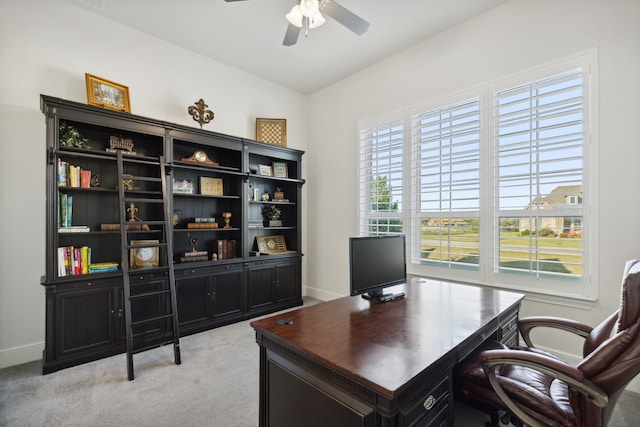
<point>248,34</point>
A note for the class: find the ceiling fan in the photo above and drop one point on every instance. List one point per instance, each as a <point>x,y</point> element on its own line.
<point>309,14</point>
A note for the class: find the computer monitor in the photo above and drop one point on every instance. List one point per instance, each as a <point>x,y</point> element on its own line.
<point>376,263</point>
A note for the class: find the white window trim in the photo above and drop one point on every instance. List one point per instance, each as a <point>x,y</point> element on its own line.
<point>552,291</point>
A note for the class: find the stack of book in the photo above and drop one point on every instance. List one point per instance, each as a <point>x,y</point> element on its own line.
<point>194,256</point>
<point>256,223</point>
<point>203,223</point>
<point>74,229</point>
<point>102,267</point>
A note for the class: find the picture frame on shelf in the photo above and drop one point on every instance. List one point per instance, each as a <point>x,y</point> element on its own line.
<point>210,186</point>
<point>107,94</point>
<point>265,170</point>
<point>272,131</point>
<point>280,170</point>
<point>271,244</point>
<point>182,186</point>
<point>144,256</point>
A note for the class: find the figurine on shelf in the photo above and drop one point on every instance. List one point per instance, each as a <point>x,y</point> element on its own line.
<point>227,219</point>
<point>278,195</point>
<point>193,241</point>
<point>265,197</point>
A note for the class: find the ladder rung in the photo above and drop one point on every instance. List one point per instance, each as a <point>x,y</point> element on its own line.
<point>148,245</point>
<point>142,200</point>
<point>156,345</point>
<point>154,222</point>
<point>152,319</point>
<point>146,178</point>
<point>143,270</point>
<point>150,293</point>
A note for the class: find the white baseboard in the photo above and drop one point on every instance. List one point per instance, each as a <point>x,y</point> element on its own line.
<point>22,354</point>
<point>320,294</point>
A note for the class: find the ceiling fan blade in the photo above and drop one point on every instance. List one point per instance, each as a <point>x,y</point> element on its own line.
<point>291,36</point>
<point>229,1</point>
<point>346,17</point>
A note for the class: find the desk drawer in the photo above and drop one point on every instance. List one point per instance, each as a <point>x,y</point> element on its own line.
<point>490,331</point>
<point>509,328</point>
<point>430,409</point>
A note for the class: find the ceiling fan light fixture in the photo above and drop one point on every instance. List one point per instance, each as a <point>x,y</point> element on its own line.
<point>309,8</point>
<point>295,16</point>
<point>316,20</point>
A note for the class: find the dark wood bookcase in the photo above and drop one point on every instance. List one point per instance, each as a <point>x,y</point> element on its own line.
<point>85,310</point>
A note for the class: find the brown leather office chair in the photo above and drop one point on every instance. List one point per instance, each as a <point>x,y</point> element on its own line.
<point>540,389</point>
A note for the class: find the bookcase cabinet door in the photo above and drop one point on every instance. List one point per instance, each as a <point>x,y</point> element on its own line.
<point>273,284</point>
<point>86,320</point>
<point>260,285</point>
<point>193,291</point>
<point>288,280</point>
<point>228,292</point>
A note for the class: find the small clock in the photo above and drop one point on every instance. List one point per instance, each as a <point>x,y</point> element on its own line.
<point>146,256</point>
<point>199,156</point>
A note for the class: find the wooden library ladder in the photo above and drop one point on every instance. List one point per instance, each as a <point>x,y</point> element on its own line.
<point>149,284</point>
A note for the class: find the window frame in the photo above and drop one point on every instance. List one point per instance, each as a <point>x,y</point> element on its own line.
<point>584,290</point>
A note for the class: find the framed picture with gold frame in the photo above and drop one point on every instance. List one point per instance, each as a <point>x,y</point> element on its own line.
<point>271,244</point>
<point>107,94</point>
<point>211,186</point>
<point>280,170</point>
<point>272,131</point>
<point>144,256</point>
<point>265,170</point>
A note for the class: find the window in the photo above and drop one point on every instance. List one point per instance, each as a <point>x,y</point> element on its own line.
<point>446,177</point>
<point>539,150</point>
<point>496,182</point>
<point>381,175</point>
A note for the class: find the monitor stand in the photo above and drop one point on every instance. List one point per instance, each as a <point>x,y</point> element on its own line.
<point>381,297</point>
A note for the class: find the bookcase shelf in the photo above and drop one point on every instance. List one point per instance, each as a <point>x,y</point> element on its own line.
<point>232,285</point>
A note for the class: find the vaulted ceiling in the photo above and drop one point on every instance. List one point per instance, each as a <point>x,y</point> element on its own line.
<point>248,34</point>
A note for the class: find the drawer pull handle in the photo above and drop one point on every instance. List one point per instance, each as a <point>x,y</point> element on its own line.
<point>429,402</point>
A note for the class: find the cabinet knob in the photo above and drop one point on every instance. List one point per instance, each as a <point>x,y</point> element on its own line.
<point>429,402</point>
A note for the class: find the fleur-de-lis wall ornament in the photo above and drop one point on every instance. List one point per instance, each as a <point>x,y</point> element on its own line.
<point>200,113</point>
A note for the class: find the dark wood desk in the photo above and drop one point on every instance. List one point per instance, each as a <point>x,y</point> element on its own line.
<point>353,362</point>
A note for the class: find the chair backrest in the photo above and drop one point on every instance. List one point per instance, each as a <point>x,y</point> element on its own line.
<point>612,349</point>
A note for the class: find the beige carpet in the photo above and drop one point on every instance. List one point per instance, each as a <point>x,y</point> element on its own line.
<point>216,385</point>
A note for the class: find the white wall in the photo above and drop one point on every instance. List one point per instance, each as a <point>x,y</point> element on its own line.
<point>46,46</point>
<point>511,38</point>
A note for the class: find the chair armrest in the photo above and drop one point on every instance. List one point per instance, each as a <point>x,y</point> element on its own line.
<point>526,324</point>
<point>491,359</point>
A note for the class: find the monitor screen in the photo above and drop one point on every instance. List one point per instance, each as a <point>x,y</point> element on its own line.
<point>376,263</point>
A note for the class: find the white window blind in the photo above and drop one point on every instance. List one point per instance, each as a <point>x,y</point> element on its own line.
<point>381,175</point>
<point>446,186</point>
<point>538,171</point>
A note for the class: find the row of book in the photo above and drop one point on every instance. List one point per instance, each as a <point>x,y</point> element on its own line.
<point>73,176</point>
<point>224,249</point>
<point>77,260</point>
<point>66,210</point>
